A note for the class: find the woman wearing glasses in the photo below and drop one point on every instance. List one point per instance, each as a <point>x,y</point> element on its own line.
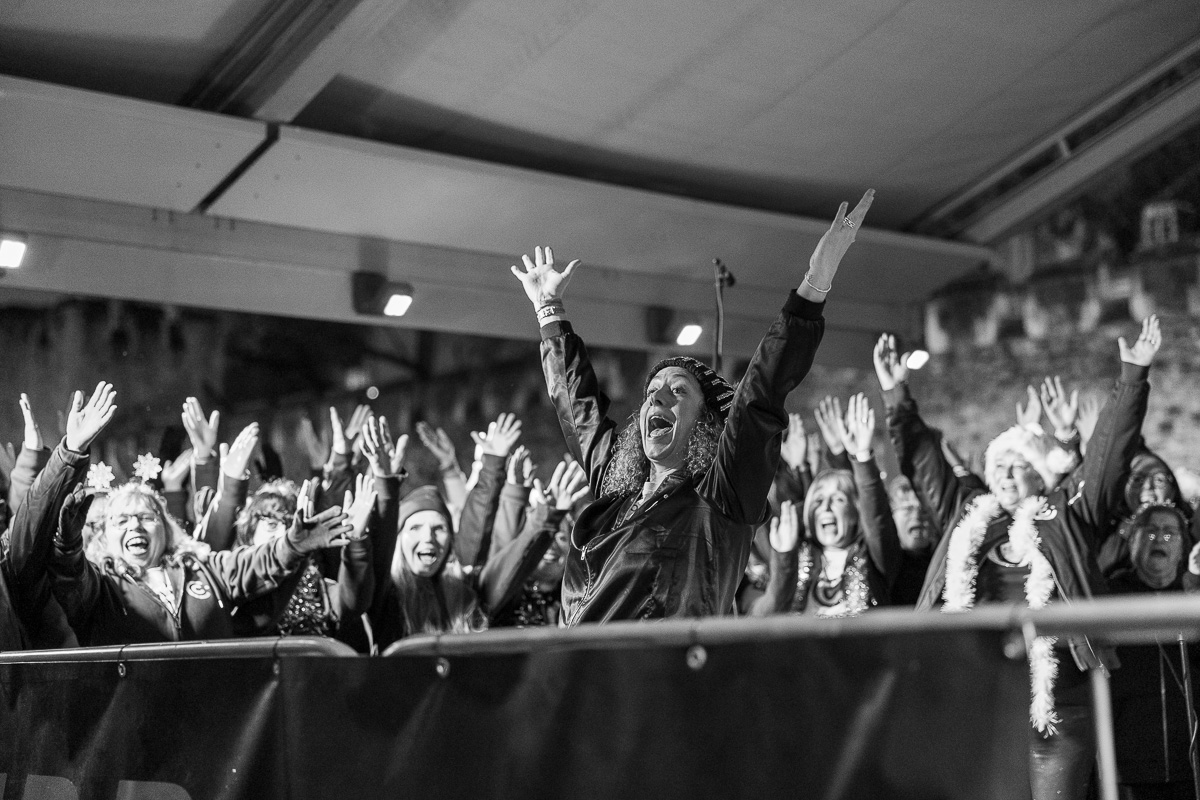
<point>153,586</point>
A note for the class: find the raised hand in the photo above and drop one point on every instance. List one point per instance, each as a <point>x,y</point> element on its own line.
<point>543,283</point>
<point>829,422</point>
<point>33,434</point>
<point>314,445</point>
<point>174,473</point>
<point>794,449</point>
<point>824,262</point>
<point>385,456</point>
<point>858,431</point>
<point>785,529</point>
<point>438,443</point>
<point>567,486</point>
<point>359,506</point>
<point>1061,409</point>
<point>1085,421</point>
<point>308,532</point>
<point>501,436</point>
<point>86,420</point>
<point>890,367</point>
<point>814,452</point>
<point>521,467</point>
<point>358,418</point>
<point>1144,349</point>
<point>235,459</point>
<point>202,432</point>
<point>399,446</point>
<point>1031,414</point>
<point>344,434</point>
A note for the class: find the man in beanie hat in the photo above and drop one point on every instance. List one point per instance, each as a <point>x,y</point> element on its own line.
<point>1019,541</point>
<point>680,490</point>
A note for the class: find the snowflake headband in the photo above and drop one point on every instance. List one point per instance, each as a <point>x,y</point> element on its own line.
<point>100,477</point>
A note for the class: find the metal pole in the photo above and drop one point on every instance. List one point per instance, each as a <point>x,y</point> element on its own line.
<point>1193,757</point>
<point>1106,758</point>
<point>719,337</point>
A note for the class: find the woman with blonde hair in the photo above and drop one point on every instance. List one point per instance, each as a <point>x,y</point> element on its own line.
<point>155,584</point>
<point>840,556</point>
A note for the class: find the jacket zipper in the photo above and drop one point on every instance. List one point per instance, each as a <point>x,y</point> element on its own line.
<point>153,596</point>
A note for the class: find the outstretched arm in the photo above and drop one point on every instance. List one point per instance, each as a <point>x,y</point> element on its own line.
<point>875,513</point>
<point>918,448</point>
<point>37,518</point>
<point>786,532</point>
<point>748,450</point>
<point>570,380</point>
<point>1117,433</point>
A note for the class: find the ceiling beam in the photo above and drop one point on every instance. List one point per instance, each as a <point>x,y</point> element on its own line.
<point>291,52</point>
<point>1123,124</point>
<point>1131,140</point>
<point>97,249</point>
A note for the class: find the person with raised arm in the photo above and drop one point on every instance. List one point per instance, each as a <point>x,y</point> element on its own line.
<point>680,490</point>
<point>850,554</point>
<point>1016,540</point>
<point>25,584</point>
<point>155,583</point>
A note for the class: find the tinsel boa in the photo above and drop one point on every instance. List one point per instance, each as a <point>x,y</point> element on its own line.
<point>857,592</point>
<point>962,567</point>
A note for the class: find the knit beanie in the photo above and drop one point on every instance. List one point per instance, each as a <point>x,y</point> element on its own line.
<point>718,394</point>
<point>423,498</point>
<point>1024,442</point>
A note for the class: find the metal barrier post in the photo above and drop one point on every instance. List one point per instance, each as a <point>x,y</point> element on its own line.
<point>1106,759</point>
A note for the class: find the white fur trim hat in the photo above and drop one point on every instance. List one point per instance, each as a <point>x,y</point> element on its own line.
<point>1028,443</point>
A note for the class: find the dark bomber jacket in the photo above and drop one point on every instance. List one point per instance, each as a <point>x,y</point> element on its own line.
<point>683,551</point>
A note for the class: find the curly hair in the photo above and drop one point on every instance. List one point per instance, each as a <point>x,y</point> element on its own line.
<point>628,468</point>
<point>278,496</point>
<point>178,542</point>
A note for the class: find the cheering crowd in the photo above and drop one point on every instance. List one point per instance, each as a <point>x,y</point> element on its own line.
<point>710,500</point>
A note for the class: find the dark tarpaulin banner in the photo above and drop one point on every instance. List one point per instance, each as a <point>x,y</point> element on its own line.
<point>907,716</point>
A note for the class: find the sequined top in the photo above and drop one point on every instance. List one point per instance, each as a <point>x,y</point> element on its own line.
<point>307,612</point>
<point>532,608</point>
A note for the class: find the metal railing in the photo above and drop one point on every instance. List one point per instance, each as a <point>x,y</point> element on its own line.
<point>1128,620</point>
<point>1117,620</point>
<point>225,648</point>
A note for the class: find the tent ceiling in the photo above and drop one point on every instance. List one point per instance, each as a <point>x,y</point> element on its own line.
<point>580,122</point>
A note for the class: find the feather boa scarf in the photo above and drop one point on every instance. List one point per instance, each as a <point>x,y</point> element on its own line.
<point>856,591</point>
<point>962,567</point>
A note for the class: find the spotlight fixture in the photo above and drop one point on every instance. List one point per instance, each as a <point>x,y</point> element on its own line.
<point>917,359</point>
<point>12,250</point>
<point>374,294</point>
<point>688,335</point>
<point>664,326</point>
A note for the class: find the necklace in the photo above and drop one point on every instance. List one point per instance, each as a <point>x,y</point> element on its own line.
<point>962,567</point>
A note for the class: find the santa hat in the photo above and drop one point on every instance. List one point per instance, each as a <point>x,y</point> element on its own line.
<point>1026,442</point>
